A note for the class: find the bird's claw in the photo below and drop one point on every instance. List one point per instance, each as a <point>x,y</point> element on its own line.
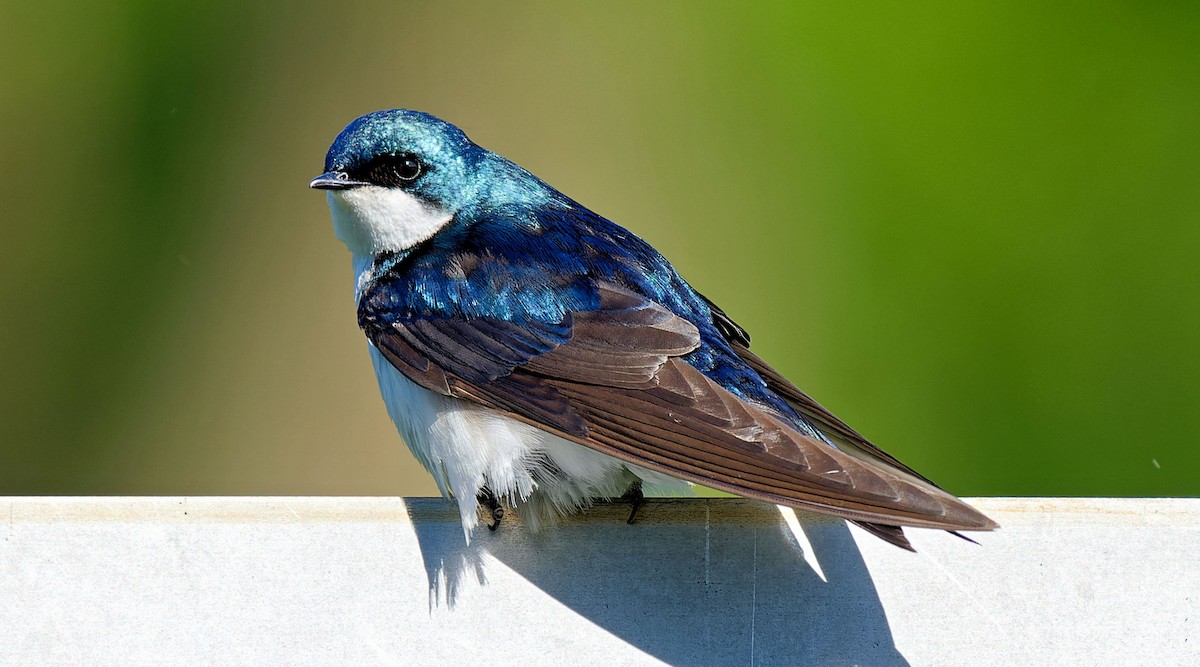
<point>497,515</point>
<point>635,497</point>
<point>495,509</point>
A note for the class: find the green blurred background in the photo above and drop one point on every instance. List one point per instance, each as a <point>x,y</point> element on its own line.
<point>973,232</point>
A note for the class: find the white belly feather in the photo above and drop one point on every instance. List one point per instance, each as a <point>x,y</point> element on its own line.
<point>466,446</point>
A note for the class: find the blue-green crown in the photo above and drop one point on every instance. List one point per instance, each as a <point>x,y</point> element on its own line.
<point>396,131</point>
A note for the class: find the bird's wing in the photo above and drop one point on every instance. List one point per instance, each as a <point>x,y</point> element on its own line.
<point>613,379</point>
<point>847,438</point>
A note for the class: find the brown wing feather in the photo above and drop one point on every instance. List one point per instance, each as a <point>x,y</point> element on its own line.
<point>714,439</point>
<point>824,419</point>
<point>848,439</point>
<point>829,423</point>
<point>618,386</point>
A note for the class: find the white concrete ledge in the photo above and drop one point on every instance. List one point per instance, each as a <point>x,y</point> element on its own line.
<point>266,581</point>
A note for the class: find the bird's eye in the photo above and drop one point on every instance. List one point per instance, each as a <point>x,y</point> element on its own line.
<point>393,170</point>
<point>407,169</point>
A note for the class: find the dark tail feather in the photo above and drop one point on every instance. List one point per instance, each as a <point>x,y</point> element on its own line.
<point>895,534</point>
<point>890,534</point>
<point>961,536</point>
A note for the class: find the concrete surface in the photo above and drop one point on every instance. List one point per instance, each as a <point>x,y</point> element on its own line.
<point>361,581</point>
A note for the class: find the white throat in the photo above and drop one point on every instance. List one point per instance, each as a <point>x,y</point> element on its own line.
<point>372,219</point>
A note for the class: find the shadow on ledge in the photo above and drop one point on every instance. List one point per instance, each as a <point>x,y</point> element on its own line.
<point>713,581</point>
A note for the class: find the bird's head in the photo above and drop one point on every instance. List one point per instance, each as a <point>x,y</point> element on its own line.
<point>395,178</point>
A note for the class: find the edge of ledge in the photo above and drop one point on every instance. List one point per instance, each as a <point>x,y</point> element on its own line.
<point>291,509</point>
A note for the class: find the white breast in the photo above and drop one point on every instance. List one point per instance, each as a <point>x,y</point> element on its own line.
<point>465,446</point>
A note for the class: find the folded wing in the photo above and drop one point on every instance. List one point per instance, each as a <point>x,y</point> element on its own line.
<point>614,379</point>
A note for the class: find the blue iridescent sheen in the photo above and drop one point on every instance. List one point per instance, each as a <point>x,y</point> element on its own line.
<point>520,251</point>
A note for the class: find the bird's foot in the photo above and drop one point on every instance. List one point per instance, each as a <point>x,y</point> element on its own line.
<point>488,499</point>
<point>635,498</point>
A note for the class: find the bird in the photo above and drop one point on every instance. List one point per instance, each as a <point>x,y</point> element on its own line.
<point>538,357</point>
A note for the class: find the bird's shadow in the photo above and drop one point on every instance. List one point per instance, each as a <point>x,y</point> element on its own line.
<point>715,581</point>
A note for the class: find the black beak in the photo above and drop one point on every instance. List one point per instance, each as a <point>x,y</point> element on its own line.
<point>335,180</point>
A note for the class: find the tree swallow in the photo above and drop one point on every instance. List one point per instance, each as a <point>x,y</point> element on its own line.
<point>535,355</point>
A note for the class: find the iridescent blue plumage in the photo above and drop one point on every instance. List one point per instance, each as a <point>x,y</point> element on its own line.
<point>520,251</point>
<point>533,265</point>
